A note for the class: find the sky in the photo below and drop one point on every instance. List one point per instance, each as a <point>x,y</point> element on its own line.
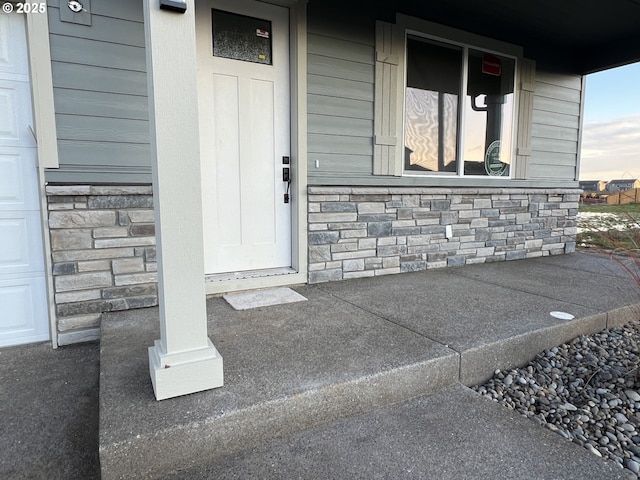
<point>611,135</point>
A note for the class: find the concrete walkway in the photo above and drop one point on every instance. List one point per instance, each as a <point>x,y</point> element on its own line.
<point>354,347</point>
<point>49,412</point>
<point>366,379</point>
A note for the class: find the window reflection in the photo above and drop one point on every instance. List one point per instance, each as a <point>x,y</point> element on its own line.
<point>435,107</point>
<point>430,132</point>
<point>488,114</point>
<point>431,115</point>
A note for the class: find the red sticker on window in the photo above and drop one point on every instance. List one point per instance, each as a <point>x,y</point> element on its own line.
<point>262,33</point>
<point>491,65</point>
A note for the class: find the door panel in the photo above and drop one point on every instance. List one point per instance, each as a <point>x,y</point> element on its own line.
<point>23,312</point>
<point>244,130</point>
<point>17,252</point>
<point>18,189</point>
<point>263,164</point>
<point>227,194</point>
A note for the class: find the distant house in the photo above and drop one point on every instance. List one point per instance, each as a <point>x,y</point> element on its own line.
<point>593,186</point>
<point>622,185</point>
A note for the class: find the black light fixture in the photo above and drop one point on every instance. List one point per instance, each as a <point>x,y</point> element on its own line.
<point>179,6</point>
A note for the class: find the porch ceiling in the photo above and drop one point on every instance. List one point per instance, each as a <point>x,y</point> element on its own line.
<point>575,36</point>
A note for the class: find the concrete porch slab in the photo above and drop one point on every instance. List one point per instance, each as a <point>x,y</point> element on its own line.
<point>489,325</point>
<point>353,347</point>
<point>287,368</point>
<point>498,315</point>
<point>593,262</point>
<point>581,279</point>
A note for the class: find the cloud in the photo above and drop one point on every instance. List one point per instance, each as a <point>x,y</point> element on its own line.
<point>611,149</point>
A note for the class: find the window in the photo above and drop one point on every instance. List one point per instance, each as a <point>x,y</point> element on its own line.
<point>447,104</point>
<point>459,109</point>
<point>239,37</point>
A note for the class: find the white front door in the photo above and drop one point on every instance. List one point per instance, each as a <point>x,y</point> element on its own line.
<point>23,311</point>
<point>243,81</point>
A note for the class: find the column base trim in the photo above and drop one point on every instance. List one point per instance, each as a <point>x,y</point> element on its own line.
<point>174,375</point>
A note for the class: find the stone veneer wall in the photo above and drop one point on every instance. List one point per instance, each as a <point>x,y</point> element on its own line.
<point>103,238</point>
<point>367,231</point>
<point>103,254</point>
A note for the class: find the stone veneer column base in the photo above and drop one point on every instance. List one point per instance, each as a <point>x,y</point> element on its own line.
<point>367,231</point>
<point>103,254</point>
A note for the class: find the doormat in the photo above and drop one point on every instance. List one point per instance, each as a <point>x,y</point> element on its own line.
<point>262,298</point>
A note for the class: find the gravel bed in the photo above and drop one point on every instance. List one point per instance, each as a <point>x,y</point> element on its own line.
<point>587,390</point>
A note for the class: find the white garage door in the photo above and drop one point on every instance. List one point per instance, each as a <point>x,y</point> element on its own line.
<point>23,313</point>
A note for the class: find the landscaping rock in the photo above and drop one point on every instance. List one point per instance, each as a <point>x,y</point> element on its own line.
<point>586,390</point>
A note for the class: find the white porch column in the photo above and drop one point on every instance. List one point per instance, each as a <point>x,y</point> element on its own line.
<point>184,360</point>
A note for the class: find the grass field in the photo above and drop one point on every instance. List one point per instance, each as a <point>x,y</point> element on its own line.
<point>610,227</point>
<point>632,208</point>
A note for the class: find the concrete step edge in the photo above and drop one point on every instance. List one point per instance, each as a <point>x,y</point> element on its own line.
<point>190,444</point>
<point>478,364</point>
